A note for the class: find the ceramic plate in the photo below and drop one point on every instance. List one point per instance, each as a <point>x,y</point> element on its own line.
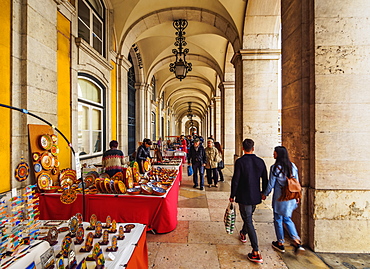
<point>22,171</point>
<point>37,167</point>
<point>44,181</point>
<point>45,141</point>
<point>46,161</point>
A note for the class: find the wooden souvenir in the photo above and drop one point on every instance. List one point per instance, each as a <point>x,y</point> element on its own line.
<point>88,244</point>
<point>72,262</point>
<point>73,225</point>
<point>113,229</point>
<point>79,235</point>
<point>79,217</point>
<point>65,246</point>
<point>98,230</point>
<point>108,222</point>
<point>52,236</point>
<point>60,263</point>
<point>121,233</point>
<point>100,260</point>
<point>22,171</point>
<point>68,196</point>
<point>93,220</point>
<point>129,227</point>
<point>94,254</point>
<point>105,240</point>
<point>113,247</point>
<point>82,264</point>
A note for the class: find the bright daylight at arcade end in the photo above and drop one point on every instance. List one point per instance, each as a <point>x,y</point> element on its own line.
<point>155,134</point>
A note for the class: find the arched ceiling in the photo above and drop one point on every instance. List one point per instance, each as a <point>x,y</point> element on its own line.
<point>214,26</point>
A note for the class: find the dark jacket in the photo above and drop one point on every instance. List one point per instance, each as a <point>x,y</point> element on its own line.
<point>197,155</point>
<point>245,183</point>
<point>142,153</point>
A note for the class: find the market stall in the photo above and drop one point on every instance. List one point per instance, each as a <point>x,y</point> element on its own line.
<point>157,212</point>
<point>131,251</point>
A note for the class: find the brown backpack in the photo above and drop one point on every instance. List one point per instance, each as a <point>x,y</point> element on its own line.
<point>292,190</point>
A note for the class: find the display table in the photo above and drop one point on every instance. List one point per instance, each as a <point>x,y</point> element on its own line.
<point>132,251</point>
<point>157,212</point>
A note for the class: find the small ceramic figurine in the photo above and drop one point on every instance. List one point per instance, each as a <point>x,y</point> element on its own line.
<point>121,233</point>
<point>93,220</point>
<point>88,243</point>
<point>105,238</point>
<point>114,227</point>
<point>114,247</point>
<point>98,229</point>
<point>79,235</point>
<point>108,222</point>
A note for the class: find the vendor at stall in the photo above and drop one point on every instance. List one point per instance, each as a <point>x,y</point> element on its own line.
<point>143,152</point>
<point>113,159</point>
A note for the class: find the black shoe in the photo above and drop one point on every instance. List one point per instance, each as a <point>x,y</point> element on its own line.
<point>195,186</point>
<point>278,247</point>
<point>298,249</point>
<point>222,180</point>
<point>201,188</point>
<point>255,257</point>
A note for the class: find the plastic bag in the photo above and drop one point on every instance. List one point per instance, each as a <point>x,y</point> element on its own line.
<point>229,218</point>
<point>190,170</point>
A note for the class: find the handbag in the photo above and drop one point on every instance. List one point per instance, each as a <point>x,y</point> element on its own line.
<point>221,165</point>
<point>292,190</point>
<point>229,218</point>
<point>190,170</point>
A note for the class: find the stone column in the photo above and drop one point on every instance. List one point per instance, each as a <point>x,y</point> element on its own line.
<point>228,120</point>
<point>122,103</point>
<point>256,95</point>
<point>217,118</point>
<point>326,107</point>
<point>141,108</point>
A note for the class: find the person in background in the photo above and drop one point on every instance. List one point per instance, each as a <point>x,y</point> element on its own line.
<point>113,159</point>
<point>197,159</point>
<point>212,159</point>
<point>246,187</point>
<point>143,152</point>
<point>184,145</point>
<point>159,143</point>
<point>219,169</point>
<point>283,210</point>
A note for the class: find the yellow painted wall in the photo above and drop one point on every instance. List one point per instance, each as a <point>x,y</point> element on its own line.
<point>114,100</point>
<point>64,89</point>
<point>5,54</point>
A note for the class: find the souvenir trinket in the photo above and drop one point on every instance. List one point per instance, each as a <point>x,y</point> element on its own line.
<point>73,226</point>
<point>113,247</point>
<point>129,227</point>
<point>54,150</point>
<point>82,264</point>
<point>22,171</point>
<point>36,156</point>
<point>98,229</point>
<point>105,240</point>
<point>100,260</point>
<point>94,254</point>
<point>79,235</point>
<point>121,233</point>
<point>108,222</point>
<point>52,236</point>
<point>68,196</point>
<point>88,244</point>
<point>44,181</point>
<point>54,138</point>
<point>93,220</point>
<point>113,229</point>
<point>60,263</point>
<point>79,217</point>
<point>65,246</point>
<point>72,262</point>
<point>45,141</point>
<point>37,167</point>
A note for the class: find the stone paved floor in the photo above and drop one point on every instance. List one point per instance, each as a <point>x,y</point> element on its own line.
<point>200,240</point>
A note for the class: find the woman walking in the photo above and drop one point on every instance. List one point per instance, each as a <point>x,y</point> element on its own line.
<point>220,165</point>
<point>283,210</point>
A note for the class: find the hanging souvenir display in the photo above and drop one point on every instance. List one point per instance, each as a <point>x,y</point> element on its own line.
<point>45,141</point>
<point>54,150</point>
<point>22,171</point>
<point>47,161</point>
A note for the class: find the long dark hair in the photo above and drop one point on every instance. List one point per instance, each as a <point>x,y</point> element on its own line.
<point>218,146</point>
<point>282,159</point>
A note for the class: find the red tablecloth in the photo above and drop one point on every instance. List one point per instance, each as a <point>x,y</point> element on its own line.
<point>158,213</point>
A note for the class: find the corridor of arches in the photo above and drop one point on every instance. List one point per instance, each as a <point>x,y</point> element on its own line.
<point>290,72</point>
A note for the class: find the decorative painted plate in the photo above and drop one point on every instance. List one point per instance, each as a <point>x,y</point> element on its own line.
<point>68,173</point>
<point>37,167</point>
<point>97,184</point>
<point>54,138</point>
<point>145,189</point>
<point>118,175</point>
<point>46,161</point>
<point>121,187</point>
<point>107,185</point>
<point>45,141</point>
<point>104,175</point>
<point>135,168</point>
<point>73,224</point>
<point>56,163</point>
<point>36,156</point>
<point>44,181</point>
<point>54,150</point>
<point>22,171</point>
<point>68,196</point>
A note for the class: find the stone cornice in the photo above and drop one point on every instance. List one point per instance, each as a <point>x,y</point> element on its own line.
<point>260,54</point>
<point>122,61</point>
<point>82,44</point>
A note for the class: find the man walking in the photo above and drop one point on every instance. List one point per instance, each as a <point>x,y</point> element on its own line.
<point>246,187</point>
<point>197,158</point>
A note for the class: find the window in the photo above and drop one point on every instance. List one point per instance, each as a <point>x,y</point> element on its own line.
<point>90,118</point>
<point>91,23</point>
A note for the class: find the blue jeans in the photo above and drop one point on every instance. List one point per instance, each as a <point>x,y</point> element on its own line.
<point>198,168</point>
<point>246,212</point>
<point>289,225</point>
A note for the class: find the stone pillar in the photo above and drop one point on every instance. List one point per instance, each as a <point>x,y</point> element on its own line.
<point>122,112</point>
<point>326,107</point>
<point>228,120</point>
<point>217,118</point>
<point>256,95</point>
<point>141,109</point>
